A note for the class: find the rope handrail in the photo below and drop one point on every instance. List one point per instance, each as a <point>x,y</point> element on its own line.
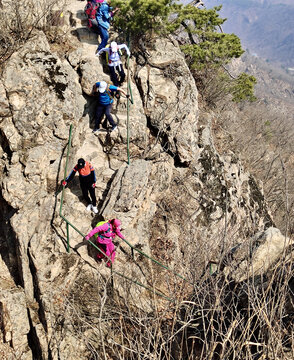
<point>156,261</point>
<point>129,92</point>
<point>68,223</point>
<point>76,229</point>
<point>116,272</point>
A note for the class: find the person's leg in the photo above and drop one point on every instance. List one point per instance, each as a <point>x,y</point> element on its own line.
<point>113,75</point>
<point>109,116</point>
<point>110,252</point>
<point>104,37</point>
<point>85,193</point>
<point>99,115</point>
<point>92,195</point>
<point>102,247</point>
<point>122,74</point>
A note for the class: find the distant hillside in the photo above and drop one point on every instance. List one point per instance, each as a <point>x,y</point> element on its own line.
<point>265,27</point>
<point>274,84</point>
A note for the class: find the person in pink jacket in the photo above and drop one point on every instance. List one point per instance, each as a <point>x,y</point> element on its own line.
<point>106,233</point>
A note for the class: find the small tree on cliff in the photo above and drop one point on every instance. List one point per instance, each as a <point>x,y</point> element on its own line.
<point>138,17</point>
<point>208,50</point>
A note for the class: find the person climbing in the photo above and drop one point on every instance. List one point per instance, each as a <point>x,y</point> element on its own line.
<point>114,62</point>
<point>106,232</point>
<point>90,10</point>
<point>103,16</point>
<point>105,100</point>
<point>87,181</point>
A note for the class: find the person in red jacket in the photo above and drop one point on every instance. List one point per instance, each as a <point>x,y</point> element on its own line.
<point>87,181</point>
<point>106,233</point>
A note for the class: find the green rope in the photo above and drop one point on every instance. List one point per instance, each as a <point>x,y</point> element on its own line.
<point>144,286</point>
<point>156,262</point>
<point>66,165</point>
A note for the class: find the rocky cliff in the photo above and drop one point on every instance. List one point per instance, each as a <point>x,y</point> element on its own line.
<point>179,200</point>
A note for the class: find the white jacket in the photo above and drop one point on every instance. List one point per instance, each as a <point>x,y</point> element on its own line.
<point>114,57</point>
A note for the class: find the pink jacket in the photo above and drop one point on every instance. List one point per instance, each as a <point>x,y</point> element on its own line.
<point>106,237</point>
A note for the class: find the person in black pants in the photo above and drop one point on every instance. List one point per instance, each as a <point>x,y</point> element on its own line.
<point>114,61</point>
<point>105,94</point>
<point>87,181</point>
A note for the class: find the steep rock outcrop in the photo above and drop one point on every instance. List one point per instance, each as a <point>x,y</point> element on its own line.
<point>179,200</point>
<point>254,258</point>
<point>169,98</point>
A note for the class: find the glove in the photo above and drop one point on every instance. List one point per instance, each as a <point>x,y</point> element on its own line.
<point>64,183</point>
<point>87,237</point>
<point>93,185</point>
<point>127,96</point>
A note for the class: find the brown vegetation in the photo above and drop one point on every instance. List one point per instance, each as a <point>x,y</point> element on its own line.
<point>19,20</point>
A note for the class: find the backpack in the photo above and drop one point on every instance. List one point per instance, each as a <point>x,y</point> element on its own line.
<point>90,10</point>
<point>109,93</point>
<point>99,224</point>
<point>110,52</point>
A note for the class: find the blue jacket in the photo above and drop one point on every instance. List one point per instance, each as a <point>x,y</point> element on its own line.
<point>103,15</point>
<point>104,98</point>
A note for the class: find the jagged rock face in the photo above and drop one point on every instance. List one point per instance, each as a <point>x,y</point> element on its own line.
<point>169,98</point>
<point>40,97</point>
<point>178,200</point>
<point>255,257</point>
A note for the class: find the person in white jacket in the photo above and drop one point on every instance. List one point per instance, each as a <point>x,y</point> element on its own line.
<point>114,62</point>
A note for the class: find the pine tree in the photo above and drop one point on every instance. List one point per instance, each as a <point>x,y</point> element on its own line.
<point>138,17</point>
<point>208,50</point>
<point>208,46</point>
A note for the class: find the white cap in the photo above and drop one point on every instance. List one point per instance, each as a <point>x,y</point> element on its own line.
<point>114,46</point>
<point>102,86</point>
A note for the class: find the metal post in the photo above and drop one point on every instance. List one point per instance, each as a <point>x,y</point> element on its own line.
<point>65,170</point>
<point>128,106</point>
<point>112,285</point>
<point>67,236</point>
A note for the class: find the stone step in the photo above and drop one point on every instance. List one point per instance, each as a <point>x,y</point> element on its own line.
<point>86,36</point>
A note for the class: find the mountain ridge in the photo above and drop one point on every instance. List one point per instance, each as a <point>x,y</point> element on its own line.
<point>265,28</point>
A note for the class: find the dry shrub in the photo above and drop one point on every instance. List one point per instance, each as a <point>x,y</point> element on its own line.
<point>19,20</point>
<point>220,319</point>
<point>237,321</point>
<point>263,138</point>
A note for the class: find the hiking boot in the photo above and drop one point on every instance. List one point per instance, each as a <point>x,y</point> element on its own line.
<point>96,131</point>
<point>94,209</point>
<point>89,207</point>
<point>114,128</point>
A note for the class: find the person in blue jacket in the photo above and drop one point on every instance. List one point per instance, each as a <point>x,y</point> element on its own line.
<point>105,99</point>
<point>103,17</point>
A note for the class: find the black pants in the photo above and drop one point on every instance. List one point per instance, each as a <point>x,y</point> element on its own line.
<point>113,75</point>
<point>100,111</point>
<point>88,188</point>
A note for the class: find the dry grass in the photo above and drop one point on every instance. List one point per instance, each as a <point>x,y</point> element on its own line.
<point>20,20</point>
